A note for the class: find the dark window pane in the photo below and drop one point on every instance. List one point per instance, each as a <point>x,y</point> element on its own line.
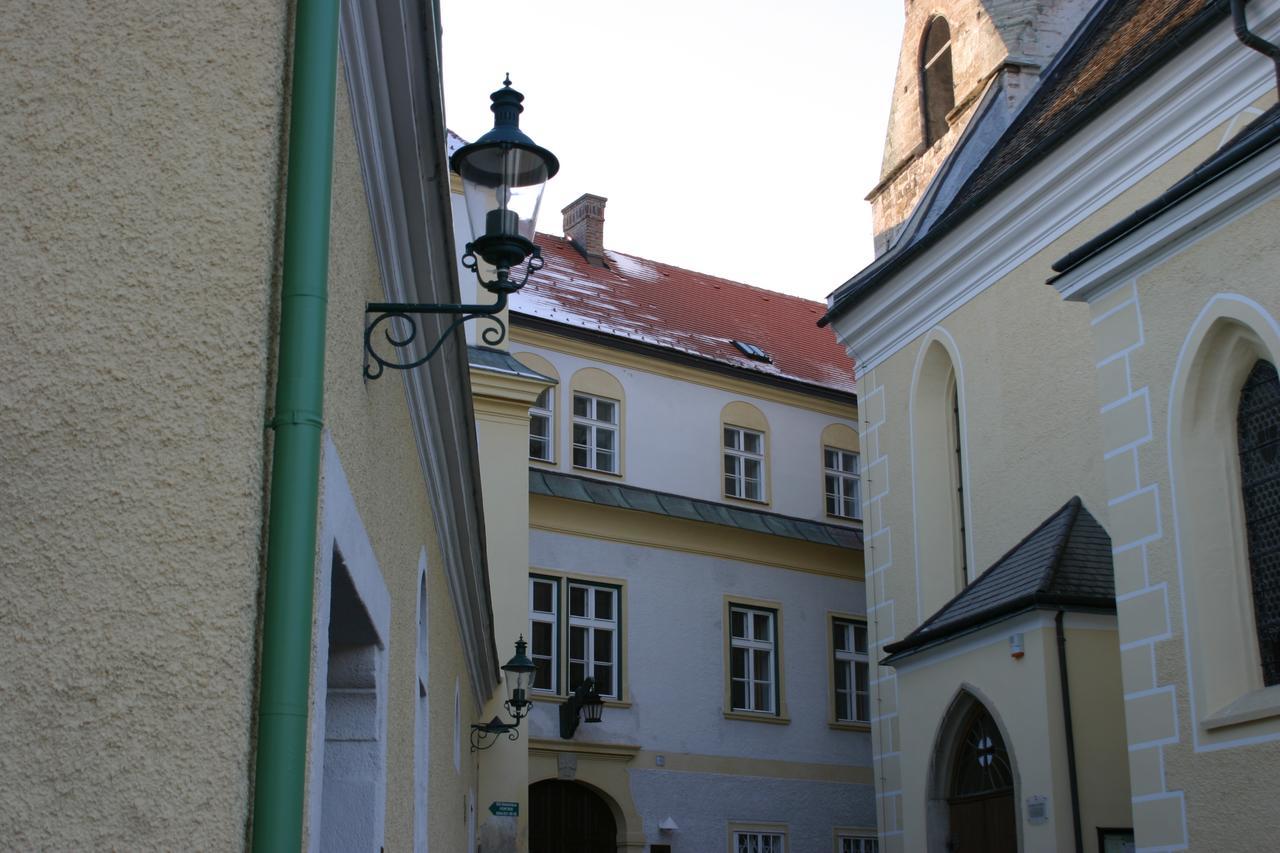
<point>541,639</point>
<point>842,706</point>
<point>738,619</point>
<point>860,639</point>
<point>738,694</point>
<point>577,675</point>
<point>751,442</point>
<point>580,457</point>
<point>542,677</point>
<point>578,643</point>
<point>604,604</point>
<point>581,406</point>
<point>731,438</point>
<point>604,678</point>
<point>606,411</point>
<point>577,601</point>
<point>604,461</point>
<point>602,644</point>
<point>604,439</point>
<point>763,697</point>
<point>763,626</point>
<point>828,458</point>
<point>542,596</point>
<point>738,664</point>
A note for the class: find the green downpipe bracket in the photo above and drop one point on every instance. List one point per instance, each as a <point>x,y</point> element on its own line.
<point>280,781</point>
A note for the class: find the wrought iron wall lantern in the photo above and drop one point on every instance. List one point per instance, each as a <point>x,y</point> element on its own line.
<point>519,672</point>
<point>503,175</point>
<point>585,702</point>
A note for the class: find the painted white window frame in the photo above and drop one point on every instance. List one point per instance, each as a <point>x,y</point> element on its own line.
<point>750,643</point>
<point>546,617</point>
<point>736,458</point>
<point>759,841</point>
<point>564,622</point>
<point>841,482</point>
<point>846,843</point>
<point>847,660</point>
<point>543,412</point>
<point>591,624</point>
<point>596,427</point>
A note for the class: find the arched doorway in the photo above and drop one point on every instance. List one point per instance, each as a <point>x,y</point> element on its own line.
<point>980,790</point>
<point>567,817</point>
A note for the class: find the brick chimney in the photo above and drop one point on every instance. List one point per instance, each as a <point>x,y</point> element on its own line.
<point>584,225</point>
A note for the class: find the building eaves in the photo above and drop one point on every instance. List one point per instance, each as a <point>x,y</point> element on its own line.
<point>1259,135</point>
<point>1073,93</point>
<point>500,361</point>
<point>1065,563</point>
<point>622,496</point>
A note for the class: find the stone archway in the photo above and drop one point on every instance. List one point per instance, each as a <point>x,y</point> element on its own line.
<point>569,817</point>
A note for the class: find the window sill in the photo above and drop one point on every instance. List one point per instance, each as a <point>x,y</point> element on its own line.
<point>758,717</point>
<point>847,519</point>
<point>597,471</point>
<point>843,726</point>
<point>747,501</point>
<point>557,699</point>
<point>545,463</point>
<point>1258,705</point>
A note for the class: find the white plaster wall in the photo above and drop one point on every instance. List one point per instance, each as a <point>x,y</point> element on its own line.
<point>672,440</point>
<point>673,652</point>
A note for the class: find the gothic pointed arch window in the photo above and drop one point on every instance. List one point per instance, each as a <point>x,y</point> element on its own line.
<point>1258,440</point>
<point>982,762</point>
<point>937,87</point>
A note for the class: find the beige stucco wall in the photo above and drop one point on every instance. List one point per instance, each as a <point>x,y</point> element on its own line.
<point>1217,780</point>
<point>369,424</point>
<point>139,159</point>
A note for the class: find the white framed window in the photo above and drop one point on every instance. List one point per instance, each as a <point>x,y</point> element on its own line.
<point>588,638</point>
<point>840,473</point>
<point>759,841</point>
<point>753,664</point>
<point>544,628</point>
<point>542,446</point>
<point>743,463</point>
<point>595,433</point>
<point>852,671</point>
<point>593,636</point>
<point>857,844</point>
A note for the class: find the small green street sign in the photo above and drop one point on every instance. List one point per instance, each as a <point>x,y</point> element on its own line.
<point>504,809</point>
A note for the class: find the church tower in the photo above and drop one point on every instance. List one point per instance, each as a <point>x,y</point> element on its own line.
<point>953,52</point>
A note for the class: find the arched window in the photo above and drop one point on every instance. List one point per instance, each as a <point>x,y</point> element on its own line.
<point>938,455</point>
<point>982,762</point>
<point>937,89</point>
<point>1258,437</point>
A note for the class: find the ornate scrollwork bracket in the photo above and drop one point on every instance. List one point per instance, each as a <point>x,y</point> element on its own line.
<point>485,735</point>
<point>405,332</point>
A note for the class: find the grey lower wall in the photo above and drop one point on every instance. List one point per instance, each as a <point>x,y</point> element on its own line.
<point>704,804</point>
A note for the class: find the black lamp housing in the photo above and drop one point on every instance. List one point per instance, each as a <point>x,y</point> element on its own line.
<point>585,702</point>
<point>503,175</point>
<point>518,674</point>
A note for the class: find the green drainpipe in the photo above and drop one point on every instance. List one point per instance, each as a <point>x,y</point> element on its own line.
<point>295,466</point>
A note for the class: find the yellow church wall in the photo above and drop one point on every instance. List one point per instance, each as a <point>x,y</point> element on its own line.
<point>370,426</point>
<point>1207,739</point>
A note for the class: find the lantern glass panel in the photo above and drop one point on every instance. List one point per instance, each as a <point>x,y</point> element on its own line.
<point>503,188</point>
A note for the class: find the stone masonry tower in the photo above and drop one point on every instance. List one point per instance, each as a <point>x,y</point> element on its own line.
<point>952,52</point>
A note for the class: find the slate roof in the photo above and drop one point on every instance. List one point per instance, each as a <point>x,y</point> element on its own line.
<point>1259,135</point>
<point>684,312</point>
<point>1122,43</point>
<point>622,496</point>
<point>1065,563</point>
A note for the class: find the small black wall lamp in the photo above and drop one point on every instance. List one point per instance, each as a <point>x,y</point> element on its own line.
<point>503,175</point>
<point>586,701</point>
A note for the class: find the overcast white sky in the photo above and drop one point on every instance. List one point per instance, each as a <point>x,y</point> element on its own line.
<point>732,137</point>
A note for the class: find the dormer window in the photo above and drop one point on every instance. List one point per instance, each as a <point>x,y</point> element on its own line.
<point>937,89</point>
<point>753,351</point>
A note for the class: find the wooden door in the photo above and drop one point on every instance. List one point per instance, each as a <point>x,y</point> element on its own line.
<point>983,824</point>
<point>565,817</point>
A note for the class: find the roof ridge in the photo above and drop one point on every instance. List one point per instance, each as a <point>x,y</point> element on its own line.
<point>819,304</point>
<point>1075,505</point>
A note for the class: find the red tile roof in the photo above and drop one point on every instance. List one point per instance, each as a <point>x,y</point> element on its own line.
<point>689,312</point>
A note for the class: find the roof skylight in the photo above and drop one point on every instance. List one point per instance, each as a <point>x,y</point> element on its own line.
<point>753,351</point>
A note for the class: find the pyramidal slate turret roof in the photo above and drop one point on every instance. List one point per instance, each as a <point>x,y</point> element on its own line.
<point>1065,563</point>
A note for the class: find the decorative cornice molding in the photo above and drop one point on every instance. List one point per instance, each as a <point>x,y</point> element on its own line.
<point>393,78</point>
<point>1190,220</point>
